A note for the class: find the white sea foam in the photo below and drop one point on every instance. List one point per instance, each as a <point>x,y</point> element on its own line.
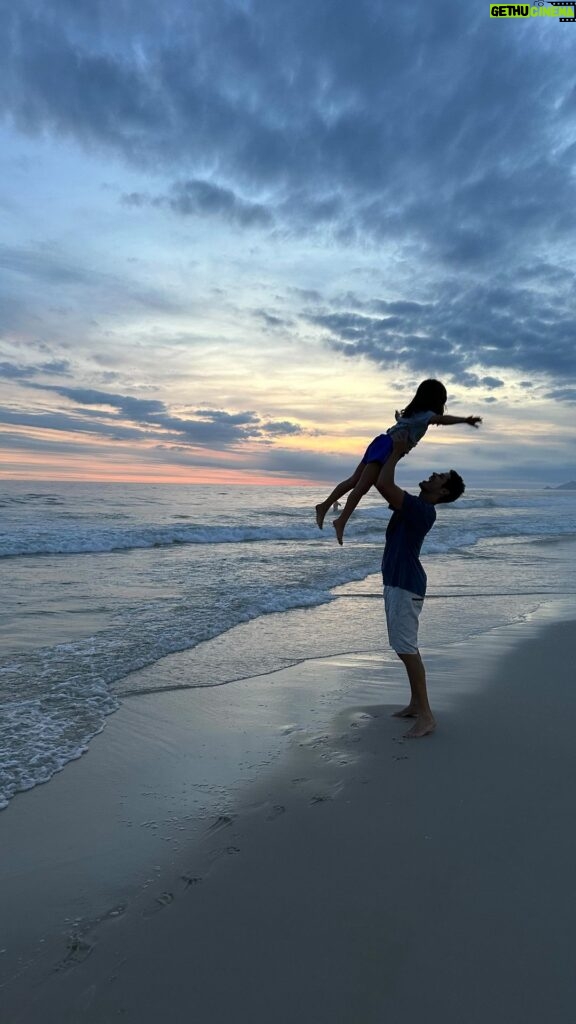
<point>65,540</point>
<point>50,726</point>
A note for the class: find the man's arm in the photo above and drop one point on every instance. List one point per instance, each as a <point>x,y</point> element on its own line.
<point>386,484</point>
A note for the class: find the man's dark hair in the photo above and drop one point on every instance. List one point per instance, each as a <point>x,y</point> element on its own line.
<point>455,487</point>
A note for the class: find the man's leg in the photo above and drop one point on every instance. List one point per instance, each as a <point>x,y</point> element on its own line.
<point>418,708</point>
<point>403,610</point>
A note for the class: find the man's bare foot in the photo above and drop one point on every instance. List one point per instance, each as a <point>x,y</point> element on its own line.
<point>423,726</point>
<point>408,712</point>
<point>339,527</point>
<point>320,514</point>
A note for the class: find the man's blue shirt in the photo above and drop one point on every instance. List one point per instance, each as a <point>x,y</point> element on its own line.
<point>401,566</point>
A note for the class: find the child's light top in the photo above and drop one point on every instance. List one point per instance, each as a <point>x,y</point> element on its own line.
<point>414,426</point>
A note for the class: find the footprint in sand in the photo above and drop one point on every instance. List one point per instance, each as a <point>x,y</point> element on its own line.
<point>161,901</point>
<point>117,911</point>
<point>165,898</point>
<point>191,880</point>
<point>276,811</point>
<point>78,950</point>
<point>222,821</point>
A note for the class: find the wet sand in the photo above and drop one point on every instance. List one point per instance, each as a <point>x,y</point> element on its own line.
<point>354,877</point>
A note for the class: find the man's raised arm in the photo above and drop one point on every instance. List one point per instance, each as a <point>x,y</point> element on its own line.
<point>389,490</point>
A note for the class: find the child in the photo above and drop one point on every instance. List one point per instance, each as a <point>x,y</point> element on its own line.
<point>426,407</point>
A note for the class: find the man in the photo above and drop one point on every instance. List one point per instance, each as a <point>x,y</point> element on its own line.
<point>404,577</point>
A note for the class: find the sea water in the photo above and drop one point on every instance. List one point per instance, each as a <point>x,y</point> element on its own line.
<point>101,580</point>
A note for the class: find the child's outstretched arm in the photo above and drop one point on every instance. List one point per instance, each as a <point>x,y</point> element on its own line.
<point>449,421</point>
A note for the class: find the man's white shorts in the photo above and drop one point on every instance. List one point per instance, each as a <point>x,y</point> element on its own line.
<point>402,613</point>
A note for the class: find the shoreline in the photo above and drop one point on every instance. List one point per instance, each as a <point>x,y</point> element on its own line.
<point>262,874</point>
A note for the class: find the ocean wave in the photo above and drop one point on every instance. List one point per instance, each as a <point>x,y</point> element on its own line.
<point>6,500</point>
<point>476,503</point>
<point>57,542</point>
<point>459,525</point>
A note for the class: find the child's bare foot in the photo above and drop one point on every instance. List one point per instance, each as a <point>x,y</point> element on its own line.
<point>320,513</point>
<point>408,712</point>
<point>423,726</point>
<point>339,527</point>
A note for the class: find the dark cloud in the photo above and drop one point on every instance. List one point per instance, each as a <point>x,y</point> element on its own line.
<point>435,125</point>
<point>206,427</point>
<point>202,198</point>
<point>214,426</point>
<point>272,321</point>
<point>277,428</point>
<point>61,421</point>
<point>10,371</point>
<point>401,307</point>
<point>218,416</point>
<point>494,328</point>
<point>60,367</point>
<point>13,371</point>
<point>142,410</point>
<point>562,395</point>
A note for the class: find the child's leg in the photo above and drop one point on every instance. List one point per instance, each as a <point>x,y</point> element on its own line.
<point>339,490</point>
<point>367,480</point>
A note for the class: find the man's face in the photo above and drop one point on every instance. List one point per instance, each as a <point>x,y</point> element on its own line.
<point>435,484</point>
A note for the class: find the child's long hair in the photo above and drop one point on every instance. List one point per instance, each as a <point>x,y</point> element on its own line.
<point>430,397</point>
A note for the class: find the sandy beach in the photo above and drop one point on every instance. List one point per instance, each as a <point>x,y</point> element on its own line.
<point>353,877</point>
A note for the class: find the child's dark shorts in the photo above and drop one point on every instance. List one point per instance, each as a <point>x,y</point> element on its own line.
<point>379,449</point>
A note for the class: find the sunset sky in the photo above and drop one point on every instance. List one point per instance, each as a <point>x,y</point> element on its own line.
<point>236,235</point>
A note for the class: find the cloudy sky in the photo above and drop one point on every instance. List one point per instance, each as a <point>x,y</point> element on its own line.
<point>236,234</point>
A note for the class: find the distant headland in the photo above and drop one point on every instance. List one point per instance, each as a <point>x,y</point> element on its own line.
<point>570,486</point>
